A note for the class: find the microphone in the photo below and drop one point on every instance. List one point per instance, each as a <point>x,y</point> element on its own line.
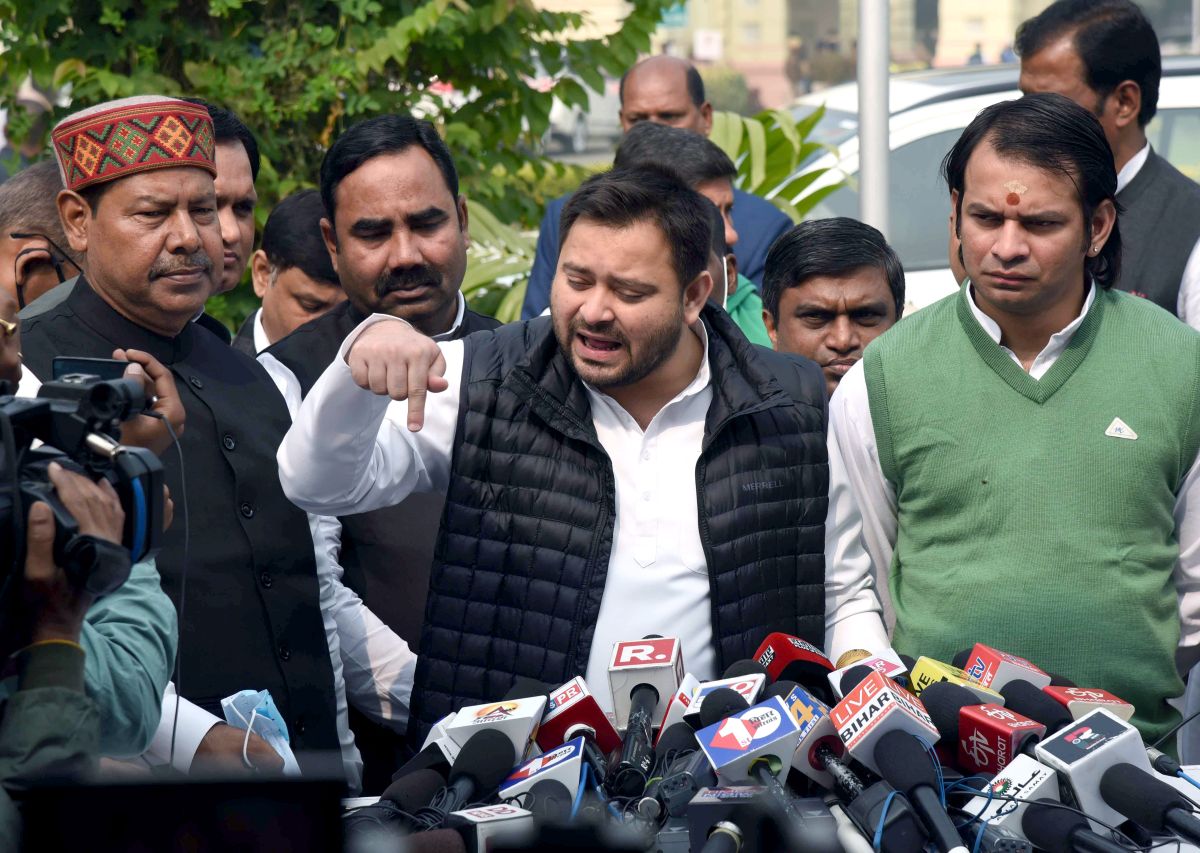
<point>851,677</point>
<point>481,766</point>
<point>792,659</point>
<point>748,686</point>
<point>756,744</point>
<point>629,775</point>
<point>691,770</point>
<point>987,737</point>
<point>724,837</point>
<point>437,756</point>
<point>1024,698</point>
<point>887,663</point>
<point>818,748</point>
<point>563,764</point>
<point>486,828</point>
<point>908,768</point>
<point>1081,701</point>
<point>1083,751</point>
<point>1060,831</point>
<point>928,671</point>
<point>994,668</point>
<point>1024,779</point>
<point>413,790</point>
<point>1144,799</point>
<point>743,667</point>
<point>517,719</point>
<point>549,801</point>
<point>875,707</point>
<point>653,661</point>
<point>675,747</point>
<point>574,705</point>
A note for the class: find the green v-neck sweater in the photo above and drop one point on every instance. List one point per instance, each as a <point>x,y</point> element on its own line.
<point>1022,522</point>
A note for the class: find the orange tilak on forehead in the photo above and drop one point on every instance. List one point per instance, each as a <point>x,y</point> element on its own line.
<point>1015,191</point>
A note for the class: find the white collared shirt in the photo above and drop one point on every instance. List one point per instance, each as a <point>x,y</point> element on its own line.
<point>350,451</point>
<point>1188,306</point>
<point>261,341</point>
<point>860,530</point>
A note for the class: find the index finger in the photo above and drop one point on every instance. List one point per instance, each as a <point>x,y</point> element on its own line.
<point>420,382</point>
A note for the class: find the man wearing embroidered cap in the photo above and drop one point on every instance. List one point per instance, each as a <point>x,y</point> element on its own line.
<point>139,201</point>
<point>1020,459</point>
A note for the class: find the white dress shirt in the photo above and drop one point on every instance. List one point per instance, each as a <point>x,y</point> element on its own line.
<point>860,531</point>
<point>261,341</point>
<point>1188,307</point>
<point>350,450</point>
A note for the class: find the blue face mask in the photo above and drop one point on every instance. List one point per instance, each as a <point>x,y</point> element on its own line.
<point>255,711</point>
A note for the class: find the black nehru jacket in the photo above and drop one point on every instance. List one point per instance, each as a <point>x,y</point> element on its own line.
<point>252,618</point>
<point>386,553</point>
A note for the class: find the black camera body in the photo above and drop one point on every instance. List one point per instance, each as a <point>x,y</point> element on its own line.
<point>77,419</point>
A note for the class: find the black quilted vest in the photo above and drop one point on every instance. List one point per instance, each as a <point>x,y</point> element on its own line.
<point>524,545</point>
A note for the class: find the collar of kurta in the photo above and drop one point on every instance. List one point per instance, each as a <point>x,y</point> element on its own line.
<point>107,322</point>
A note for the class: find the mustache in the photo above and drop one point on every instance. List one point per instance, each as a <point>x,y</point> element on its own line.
<point>177,263</point>
<point>409,278</point>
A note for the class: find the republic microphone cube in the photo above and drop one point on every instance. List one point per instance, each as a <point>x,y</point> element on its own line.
<point>517,719</point>
<point>994,668</point>
<point>749,687</point>
<point>1081,701</point>
<point>887,662</point>
<point>657,661</point>
<point>928,671</point>
<point>563,764</point>
<point>569,705</point>
<point>1081,752</point>
<point>1024,779</point>
<point>990,735</point>
<point>876,706</point>
<point>763,732</point>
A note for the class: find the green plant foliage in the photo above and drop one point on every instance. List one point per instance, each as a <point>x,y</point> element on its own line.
<point>300,71</point>
<point>770,151</point>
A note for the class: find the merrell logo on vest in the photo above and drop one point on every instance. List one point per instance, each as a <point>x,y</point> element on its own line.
<point>1119,429</point>
<point>761,485</point>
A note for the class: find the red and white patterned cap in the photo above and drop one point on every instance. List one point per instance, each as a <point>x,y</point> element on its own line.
<point>131,135</point>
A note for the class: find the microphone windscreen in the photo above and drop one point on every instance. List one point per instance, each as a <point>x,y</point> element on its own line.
<point>435,841</point>
<point>780,689</point>
<point>960,659</point>
<point>719,704</point>
<point>1057,680</point>
<point>486,759</point>
<point>852,677</point>
<point>414,790</point>
<point>903,762</point>
<point>1049,827</point>
<point>678,737</point>
<point>908,661</point>
<point>1139,796</point>
<point>943,701</point>
<point>550,801</point>
<point>745,667</point>
<point>524,688</point>
<point>430,758</point>
<point>1025,698</point>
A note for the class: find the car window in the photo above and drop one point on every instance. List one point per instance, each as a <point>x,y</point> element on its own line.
<point>918,201</point>
<point>1175,135</point>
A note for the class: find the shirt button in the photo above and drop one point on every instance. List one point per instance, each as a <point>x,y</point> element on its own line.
<point>298,726</point>
<point>195,380</point>
<point>229,442</point>
<point>645,454</point>
<point>284,652</point>
<point>247,510</point>
<point>266,579</point>
<point>645,496</point>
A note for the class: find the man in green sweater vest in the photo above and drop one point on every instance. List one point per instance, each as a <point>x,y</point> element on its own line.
<point>830,287</point>
<point>1021,456</point>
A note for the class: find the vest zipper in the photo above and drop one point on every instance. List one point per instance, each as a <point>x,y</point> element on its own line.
<point>590,570</point>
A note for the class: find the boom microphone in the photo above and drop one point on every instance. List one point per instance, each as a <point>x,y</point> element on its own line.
<point>1154,804</point>
<point>907,767</point>
<point>1060,831</point>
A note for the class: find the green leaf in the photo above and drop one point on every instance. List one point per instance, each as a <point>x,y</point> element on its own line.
<point>727,132</point>
<point>756,137</point>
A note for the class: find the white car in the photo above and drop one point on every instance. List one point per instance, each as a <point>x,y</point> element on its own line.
<point>929,110</point>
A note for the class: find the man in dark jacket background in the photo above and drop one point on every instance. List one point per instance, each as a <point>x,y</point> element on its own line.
<point>628,465</point>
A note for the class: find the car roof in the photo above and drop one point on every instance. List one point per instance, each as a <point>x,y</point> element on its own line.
<point>913,89</point>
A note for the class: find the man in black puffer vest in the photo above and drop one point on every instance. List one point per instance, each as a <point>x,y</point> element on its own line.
<point>629,465</point>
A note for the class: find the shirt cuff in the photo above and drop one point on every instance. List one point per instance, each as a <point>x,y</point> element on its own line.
<point>194,725</point>
<point>349,340</point>
<point>858,631</point>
